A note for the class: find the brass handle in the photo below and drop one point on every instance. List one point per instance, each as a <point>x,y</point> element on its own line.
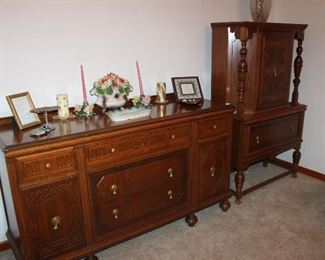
<point>212,171</point>
<point>56,222</point>
<point>274,73</point>
<point>214,126</point>
<point>115,213</point>
<point>170,171</point>
<point>48,165</point>
<point>257,139</point>
<point>113,150</point>
<point>170,194</point>
<point>173,137</point>
<point>292,129</point>
<point>114,189</point>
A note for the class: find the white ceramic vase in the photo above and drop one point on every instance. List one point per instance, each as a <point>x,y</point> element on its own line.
<point>260,10</point>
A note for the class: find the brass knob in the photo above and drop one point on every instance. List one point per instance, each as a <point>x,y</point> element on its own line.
<point>48,165</point>
<point>212,171</point>
<point>115,213</point>
<point>114,189</point>
<point>214,126</point>
<point>113,150</point>
<point>170,171</point>
<point>173,137</point>
<point>274,73</point>
<point>170,194</point>
<point>257,139</point>
<point>56,222</point>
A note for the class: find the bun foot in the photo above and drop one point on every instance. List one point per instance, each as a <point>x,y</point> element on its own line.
<point>91,257</point>
<point>225,205</point>
<point>191,220</point>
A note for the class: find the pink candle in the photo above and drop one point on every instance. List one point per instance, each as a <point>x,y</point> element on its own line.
<point>84,94</point>
<point>139,78</point>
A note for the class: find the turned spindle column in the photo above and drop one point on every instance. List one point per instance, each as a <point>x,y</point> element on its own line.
<point>243,34</point>
<point>298,63</point>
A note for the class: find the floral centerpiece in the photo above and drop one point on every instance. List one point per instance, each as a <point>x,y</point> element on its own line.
<point>142,100</point>
<point>84,110</point>
<point>111,90</point>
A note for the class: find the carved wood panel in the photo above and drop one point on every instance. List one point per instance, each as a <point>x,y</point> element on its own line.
<point>53,218</point>
<point>135,145</point>
<point>212,172</point>
<point>46,165</point>
<point>275,69</point>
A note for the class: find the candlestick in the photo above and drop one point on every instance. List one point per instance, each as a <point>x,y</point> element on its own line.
<point>84,94</point>
<point>139,78</point>
<point>63,104</point>
<point>161,92</point>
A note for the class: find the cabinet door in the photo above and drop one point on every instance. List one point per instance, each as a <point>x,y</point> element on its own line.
<point>53,218</point>
<point>213,178</point>
<point>276,63</point>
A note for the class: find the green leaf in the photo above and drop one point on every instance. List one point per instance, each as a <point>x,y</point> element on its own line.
<point>121,90</point>
<point>100,91</point>
<point>109,90</point>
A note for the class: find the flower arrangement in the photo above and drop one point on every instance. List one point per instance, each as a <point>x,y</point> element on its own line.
<point>84,110</point>
<point>109,84</point>
<point>142,100</point>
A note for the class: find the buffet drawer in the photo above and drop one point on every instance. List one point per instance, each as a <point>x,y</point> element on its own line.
<point>137,178</point>
<point>128,210</point>
<point>274,133</point>
<point>46,165</point>
<point>213,126</point>
<point>115,150</point>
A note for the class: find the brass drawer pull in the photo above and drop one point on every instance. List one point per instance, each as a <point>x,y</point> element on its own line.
<point>214,126</point>
<point>113,150</point>
<point>274,73</point>
<point>115,213</point>
<point>258,139</point>
<point>170,194</point>
<point>170,171</point>
<point>114,189</point>
<point>56,222</point>
<point>212,171</point>
<point>173,137</point>
<point>48,165</point>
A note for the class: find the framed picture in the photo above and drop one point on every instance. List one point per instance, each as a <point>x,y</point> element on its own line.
<point>21,105</point>
<point>187,90</point>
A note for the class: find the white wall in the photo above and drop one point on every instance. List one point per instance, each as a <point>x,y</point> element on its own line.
<point>43,43</point>
<point>312,86</point>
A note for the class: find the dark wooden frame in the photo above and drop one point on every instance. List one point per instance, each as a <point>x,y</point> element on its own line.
<point>194,98</point>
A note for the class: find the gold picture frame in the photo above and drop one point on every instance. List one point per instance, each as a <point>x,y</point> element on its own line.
<point>21,105</point>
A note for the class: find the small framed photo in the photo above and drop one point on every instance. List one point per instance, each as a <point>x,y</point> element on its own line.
<point>21,105</point>
<point>187,90</point>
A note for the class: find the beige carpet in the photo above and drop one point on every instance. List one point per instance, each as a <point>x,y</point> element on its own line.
<point>284,220</point>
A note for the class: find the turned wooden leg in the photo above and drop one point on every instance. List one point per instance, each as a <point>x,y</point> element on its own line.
<point>191,220</point>
<point>265,162</point>
<point>224,205</point>
<point>239,181</point>
<point>295,158</point>
<point>91,257</point>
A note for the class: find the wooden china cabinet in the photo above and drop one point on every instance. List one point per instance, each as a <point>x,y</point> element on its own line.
<point>92,183</point>
<point>251,69</point>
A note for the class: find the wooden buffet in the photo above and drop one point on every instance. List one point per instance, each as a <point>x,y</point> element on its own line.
<point>92,183</point>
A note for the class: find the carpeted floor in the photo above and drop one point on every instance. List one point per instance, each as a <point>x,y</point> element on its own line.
<point>284,220</point>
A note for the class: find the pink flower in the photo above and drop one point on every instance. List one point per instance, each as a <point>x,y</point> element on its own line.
<point>145,100</point>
